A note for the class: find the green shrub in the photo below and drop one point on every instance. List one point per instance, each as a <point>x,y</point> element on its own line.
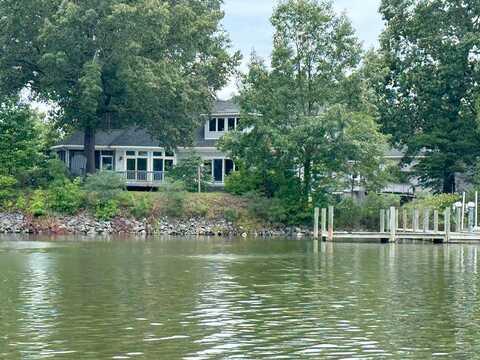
<point>197,209</point>
<point>106,210</point>
<point>351,214</point>
<point>7,191</point>
<point>169,186</point>
<point>105,185</point>
<point>67,197</point>
<point>140,207</point>
<point>271,210</point>
<point>240,182</point>
<point>38,205</point>
<point>52,170</point>
<point>186,171</point>
<point>231,215</point>
<point>175,204</point>
<point>435,202</point>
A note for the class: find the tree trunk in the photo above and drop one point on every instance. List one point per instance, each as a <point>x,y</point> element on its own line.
<point>449,185</point>
<point>307,179</point>
<point>89,150</point>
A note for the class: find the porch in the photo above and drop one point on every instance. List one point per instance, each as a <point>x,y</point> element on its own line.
<point>140,178</point>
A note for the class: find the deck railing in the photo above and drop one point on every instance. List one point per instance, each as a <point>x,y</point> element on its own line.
<point>139,176</point>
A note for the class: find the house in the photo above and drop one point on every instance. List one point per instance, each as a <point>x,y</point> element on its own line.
<point>135,154</point>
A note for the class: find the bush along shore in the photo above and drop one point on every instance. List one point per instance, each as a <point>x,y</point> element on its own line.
<point>99,204</point>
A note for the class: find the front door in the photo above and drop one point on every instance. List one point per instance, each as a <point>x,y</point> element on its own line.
<point>218,170</point>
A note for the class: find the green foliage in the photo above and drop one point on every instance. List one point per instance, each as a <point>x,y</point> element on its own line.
<point>268,209</point>
<point>197,209</point>
<point>67,197</point>
<point>315,129</point>
<point>231,215</point>
<point>186,171</point>
<point>241,182</point>
<point>141,207</point>
<point>353,214</point>
<point>106,210</point>
<point>175,204</point>
<point>101,61</point>
<point>427,85</point>
<point>38,204</point>
<point>20,148</point>
<point>104,185</point>
<point>434,202</point>
<point>47,172</point>
<point>7,192</point>
<point>169,186</point>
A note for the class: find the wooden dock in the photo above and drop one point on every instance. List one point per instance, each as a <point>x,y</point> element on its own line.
<point>391,231</point>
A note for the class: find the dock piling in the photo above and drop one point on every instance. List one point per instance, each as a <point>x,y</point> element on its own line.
<point>382,221</point>
<point>435,221</point>
<point>330,223</point>
<point>416,216</point>
<point>397,219</point>
<point>426,220</point>
<point>393,219</point>
<point>324,223</point>
<point>447,224</point>
<point>315,222</point>
<point>404,220</point>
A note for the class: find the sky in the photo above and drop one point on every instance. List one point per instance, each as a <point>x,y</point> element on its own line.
<point>247,22</point>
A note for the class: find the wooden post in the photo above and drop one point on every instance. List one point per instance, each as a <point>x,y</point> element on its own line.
<point>199,175</point>
<point>463,212</point>
<point>397,219</point>
<point>447,225</point>
<point>324,223</point>
<point>404,220</point>
<point>435,221</point>
<point>459,219</point>
<point>330,223</point>
<point>382,221</point>
<point>316,217</point>
<point>416,216</point>
<point>393,220</point>
<point>476,211</point>
<point>426,220</point>
<point>387,222</point>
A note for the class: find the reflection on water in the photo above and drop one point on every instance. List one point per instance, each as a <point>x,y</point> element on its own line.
<point>251,299</point>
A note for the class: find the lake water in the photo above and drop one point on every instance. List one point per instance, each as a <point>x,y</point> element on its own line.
<point>237,299</point>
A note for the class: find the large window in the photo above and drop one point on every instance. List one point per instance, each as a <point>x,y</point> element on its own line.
<point>223,124</point>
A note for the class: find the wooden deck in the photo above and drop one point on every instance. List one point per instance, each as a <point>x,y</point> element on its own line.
<point>454,237</point>
<point>392,231</point>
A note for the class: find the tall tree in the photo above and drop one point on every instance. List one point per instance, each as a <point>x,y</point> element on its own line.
<point>20,145</point>
<point>109,63</point>
<point>430,52</point>
<point>305,131</point>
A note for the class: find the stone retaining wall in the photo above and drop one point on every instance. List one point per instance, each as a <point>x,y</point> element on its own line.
<point>83,224</point>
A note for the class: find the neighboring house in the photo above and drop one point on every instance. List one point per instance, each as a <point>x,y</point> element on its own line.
<point>134,154</point>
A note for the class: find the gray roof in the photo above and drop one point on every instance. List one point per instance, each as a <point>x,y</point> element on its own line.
<point>134,136</point>
<point>129,137</point>
<point>226,107</point>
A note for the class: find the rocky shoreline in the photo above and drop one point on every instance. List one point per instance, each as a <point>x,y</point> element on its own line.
<point>84,224</point>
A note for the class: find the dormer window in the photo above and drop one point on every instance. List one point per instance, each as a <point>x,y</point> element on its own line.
<point>223,124</point>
